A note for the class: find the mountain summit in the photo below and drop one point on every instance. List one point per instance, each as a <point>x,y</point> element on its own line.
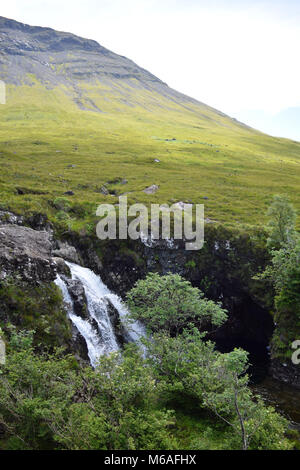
<point>53,58</point>
<point>57,56</point>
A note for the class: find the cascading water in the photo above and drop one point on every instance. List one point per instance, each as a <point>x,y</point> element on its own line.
<point>101,340</point>
<point>83,326</point>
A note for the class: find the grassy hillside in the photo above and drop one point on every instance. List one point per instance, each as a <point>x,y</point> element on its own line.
<point>79,116</point>
<point>48,145</point>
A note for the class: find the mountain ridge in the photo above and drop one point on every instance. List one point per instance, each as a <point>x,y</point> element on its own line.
<point>74,60</point>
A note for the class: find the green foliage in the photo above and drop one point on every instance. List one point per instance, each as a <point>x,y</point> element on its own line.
<point>286,278</point>
<point>187,365</point>
<point>286,265</point>
<point>268,429</point>
<point>20,340</point>
<point>38,308</point>
<point>281,225</point>
<point>62,204</point>
<point>198,430</point>
<point>191,265</point>
<point>181,363</point>
<point>254,424</point>
<point>32,389</point>
<point>283,274</point>
<point>46,402</point>
<point>170,303</point>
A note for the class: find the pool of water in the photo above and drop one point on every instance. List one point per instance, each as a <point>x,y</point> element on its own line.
<point>284,398</point>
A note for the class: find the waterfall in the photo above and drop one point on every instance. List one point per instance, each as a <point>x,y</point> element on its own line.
<point>101,340</point>
<point>83,326</point>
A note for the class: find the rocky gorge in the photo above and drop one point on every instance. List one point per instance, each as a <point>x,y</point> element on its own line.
<point>31,255</point>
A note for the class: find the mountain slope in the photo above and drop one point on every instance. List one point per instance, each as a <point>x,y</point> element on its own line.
<point>78,116</point>
<point>85,68</point>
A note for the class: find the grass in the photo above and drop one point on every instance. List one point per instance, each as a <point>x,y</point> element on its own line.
<point>49,146</point>
<point>201,433</point>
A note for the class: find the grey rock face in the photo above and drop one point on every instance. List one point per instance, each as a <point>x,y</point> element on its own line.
<point>61,267</point>
<point>31,49</point>
<point>79,347</point>
<point>10,218</point>
<point>104,190</point>
<point>27,253</point>
<point>67,252</point>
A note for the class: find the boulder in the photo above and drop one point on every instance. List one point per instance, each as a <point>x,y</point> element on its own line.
<point>151,189</point>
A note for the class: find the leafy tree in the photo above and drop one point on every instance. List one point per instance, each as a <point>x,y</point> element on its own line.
<point>170,303</point>
<point>181,364</point>
<point>186,364</point>
<point>283,274</point>
<point>281,225</point>
<point>232,401</point>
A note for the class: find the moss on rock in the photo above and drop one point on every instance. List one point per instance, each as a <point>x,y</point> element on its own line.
<point>39,308</point>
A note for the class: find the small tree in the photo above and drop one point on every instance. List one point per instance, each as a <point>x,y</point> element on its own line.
<point>231,399</point>
<point>170,303</point>
<point>281,226</point>
<point>283,274</point>
<point>186,364</point>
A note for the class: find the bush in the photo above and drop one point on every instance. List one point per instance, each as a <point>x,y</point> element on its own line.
<point>45,402</point>
<point>170,303</point>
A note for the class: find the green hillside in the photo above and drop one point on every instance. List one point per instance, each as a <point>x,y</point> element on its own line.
<point>65,131</point>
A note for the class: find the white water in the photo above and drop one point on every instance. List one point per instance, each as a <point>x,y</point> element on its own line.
<point>103,340</point>
<point>83,326</point>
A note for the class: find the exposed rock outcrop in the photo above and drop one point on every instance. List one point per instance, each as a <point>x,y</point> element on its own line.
<point>61,266</point>
<point>79,346</point>
<point>67,252</point>
<point>28,51</point>
<point>76,291</point>
<point>118,327</point>
<point>26,253</point>
<point>10,218</point>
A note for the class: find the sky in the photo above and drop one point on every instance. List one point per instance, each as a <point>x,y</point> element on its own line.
<point>239,56</point>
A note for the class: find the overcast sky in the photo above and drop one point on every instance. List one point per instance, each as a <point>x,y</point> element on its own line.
<point>240,56</point>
